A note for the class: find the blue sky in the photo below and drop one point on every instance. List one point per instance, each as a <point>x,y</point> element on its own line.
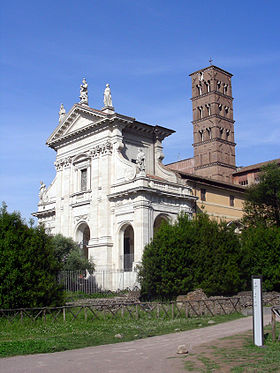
<point>146,50</point>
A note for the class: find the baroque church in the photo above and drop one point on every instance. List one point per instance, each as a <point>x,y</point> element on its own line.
<point>111,191</point>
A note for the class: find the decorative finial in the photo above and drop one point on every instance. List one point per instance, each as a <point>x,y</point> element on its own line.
<point>62,113</point>
<point>84,92</point>
<point>108,97</point>
<point>211,61</point>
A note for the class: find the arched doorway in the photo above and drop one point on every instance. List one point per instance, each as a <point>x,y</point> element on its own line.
<point>83,237</point>
<point>158,221</point>
<point>128,247</point>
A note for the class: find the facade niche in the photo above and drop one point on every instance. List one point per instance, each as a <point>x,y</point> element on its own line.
<point>83,237</point>
<point>128,248</point>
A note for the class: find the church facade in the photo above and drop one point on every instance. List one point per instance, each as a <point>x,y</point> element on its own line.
<point>111,190</point>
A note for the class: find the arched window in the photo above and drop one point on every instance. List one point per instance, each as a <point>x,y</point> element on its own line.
<point>160,219</point>
<point>128,248</point>
<point>83,237</point>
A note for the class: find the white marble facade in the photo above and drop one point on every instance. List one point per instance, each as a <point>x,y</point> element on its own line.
<point>111,189</point>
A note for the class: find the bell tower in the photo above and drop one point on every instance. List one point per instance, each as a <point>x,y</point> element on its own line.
<point>213,124</point>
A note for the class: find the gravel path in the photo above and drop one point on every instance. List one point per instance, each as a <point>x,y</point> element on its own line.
<point>154,354</point>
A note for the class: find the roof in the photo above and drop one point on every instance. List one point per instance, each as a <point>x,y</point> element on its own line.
<point>211,67</point>
<point>256,166</point>
<point>181,160</point>
<point>208,181</point>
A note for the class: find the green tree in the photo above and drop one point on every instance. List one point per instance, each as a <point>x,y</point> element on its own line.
<point>69,254</point>
<point>191,254</point>
<point>28,267</point>
<point>260,253</point>
<point>262,205</point>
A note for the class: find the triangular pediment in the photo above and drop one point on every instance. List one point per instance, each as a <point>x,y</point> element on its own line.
<point>78,119</point>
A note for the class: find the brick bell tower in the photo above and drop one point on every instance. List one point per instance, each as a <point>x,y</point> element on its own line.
<point>213,124</point>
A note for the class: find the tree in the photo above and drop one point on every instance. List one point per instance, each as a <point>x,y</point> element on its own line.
<point>190,254</point>
<point>69,254</point>
<point>262,203</point>
<point>28,267</point>
<point>260,253</point>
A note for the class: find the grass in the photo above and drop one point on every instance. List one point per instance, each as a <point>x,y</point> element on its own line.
<point>236,354</point>
<point>27,337</point>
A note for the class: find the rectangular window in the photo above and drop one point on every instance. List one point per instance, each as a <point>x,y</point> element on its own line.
<point>84,180</point>
<point>203,194</point>
<point>231,201</point>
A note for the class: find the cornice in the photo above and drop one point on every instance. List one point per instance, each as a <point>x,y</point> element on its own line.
<point>214,140</point>
<point>156,131</point>
<point>211,117</point>
<point>195,98</point>
<point>44,213</point>
<point>57,138</point>
<point>215,164</point>
<point>149,190</point>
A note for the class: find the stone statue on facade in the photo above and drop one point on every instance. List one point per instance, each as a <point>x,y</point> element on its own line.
<point>140,160</point>
<point>42,193</point>
<point>108,97</point>
<point>62,113</point>
<point>84,92</point>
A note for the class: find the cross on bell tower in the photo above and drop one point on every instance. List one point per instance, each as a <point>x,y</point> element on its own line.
<point>213,124</point>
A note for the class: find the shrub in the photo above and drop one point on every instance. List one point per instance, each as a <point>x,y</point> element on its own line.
<point>69,254</point>
<point>261,256</point>
<point>28,267</point>
<point>190,254</point>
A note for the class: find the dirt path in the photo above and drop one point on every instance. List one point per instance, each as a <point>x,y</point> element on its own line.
<point>154,354</point>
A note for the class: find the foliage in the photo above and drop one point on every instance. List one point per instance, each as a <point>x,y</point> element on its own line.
<point>263,199</point>
<point>28,267</point>
<point>190,254</point>
<point>69,254</point>
<point>260,252</point>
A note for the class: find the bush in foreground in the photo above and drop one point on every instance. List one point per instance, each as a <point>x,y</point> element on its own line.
<point>261,256</point>
<point>28,267</point>
<point>190,254</point>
